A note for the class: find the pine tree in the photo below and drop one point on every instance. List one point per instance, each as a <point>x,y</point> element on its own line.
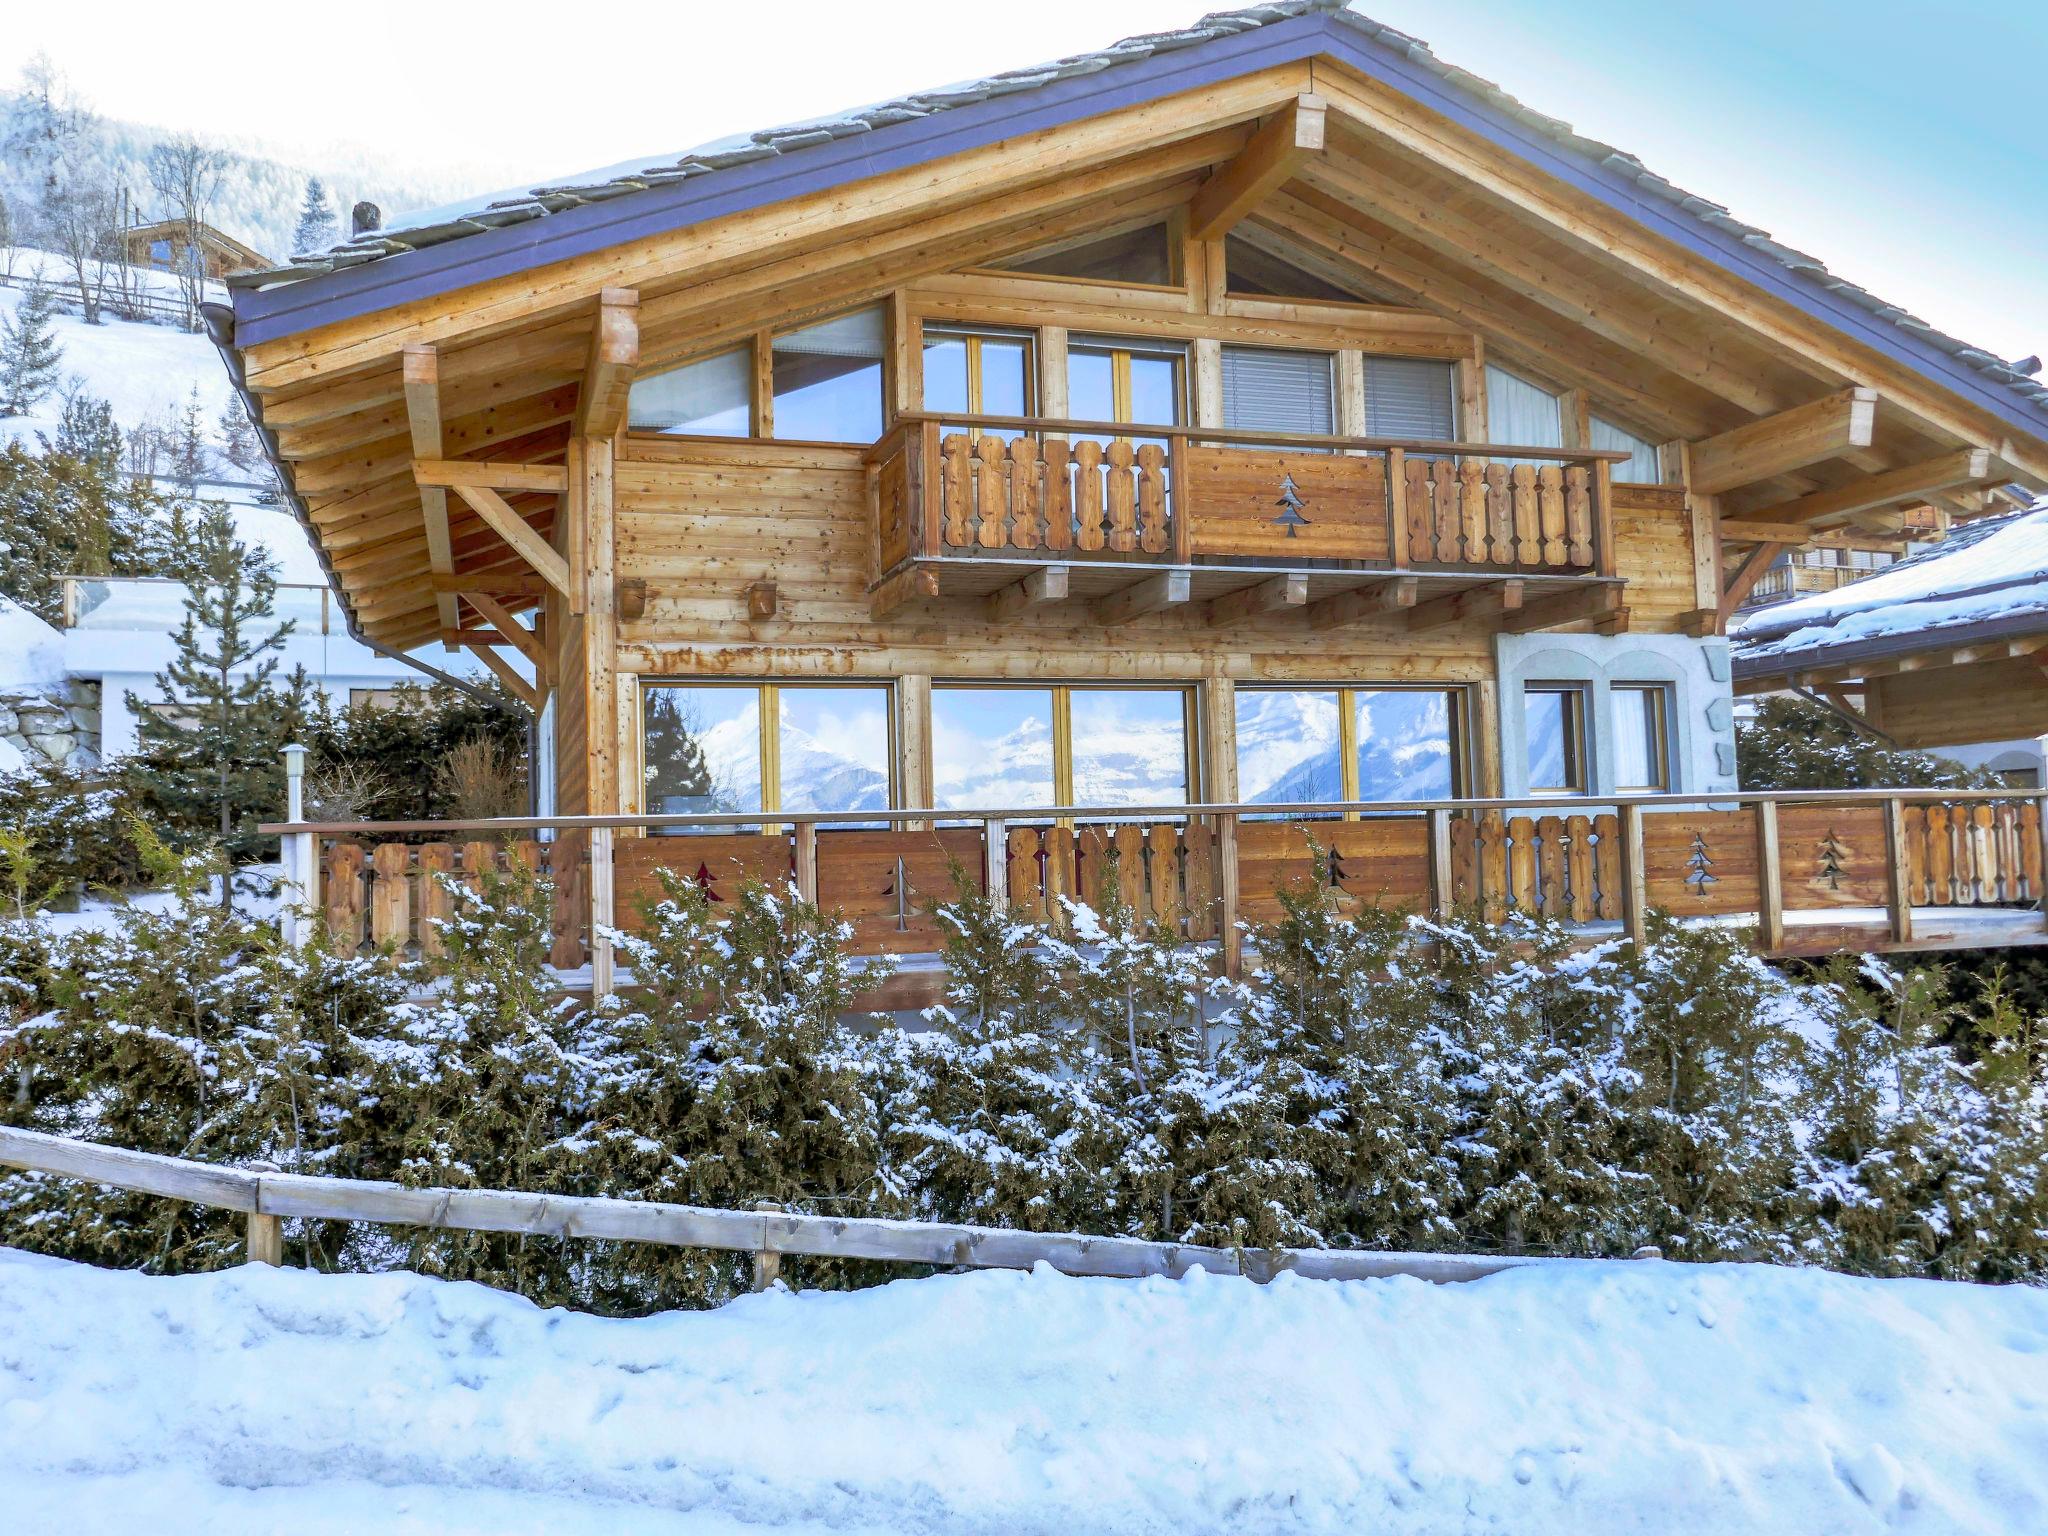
<point>30,353</point>
<point>86,431</point>
<point>65,515</point>
<point>238,443</point>
<point>188,450</point>
<point>316,228</point>
<point>209,742</point>
<point>675,766</point>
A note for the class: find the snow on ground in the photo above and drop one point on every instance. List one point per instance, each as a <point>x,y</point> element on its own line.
<point>256,898</point>
<point>31,650</point>
<point>1579,1398</point>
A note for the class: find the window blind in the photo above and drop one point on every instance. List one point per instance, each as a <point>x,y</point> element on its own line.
<point>712,396</point>
<point>1410,397</point>
<point>1269,391</point>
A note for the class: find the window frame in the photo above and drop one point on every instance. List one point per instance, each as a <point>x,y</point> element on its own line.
<point>1329,361</point>
<point>764,377</point>
<point>1655,699</point>
<point>749,351</point>
<point>974,336</point>
<point>1121,350</point>
<point>1456,697</point>
<point>768,724</point>
<point>1577,767</point>
<point>1061,724</point>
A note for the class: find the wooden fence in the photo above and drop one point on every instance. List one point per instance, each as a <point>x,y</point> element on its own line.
<point>267,1197</point>
<point>1781,861</point>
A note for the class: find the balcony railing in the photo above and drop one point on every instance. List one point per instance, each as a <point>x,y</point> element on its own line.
<point>157,604</point>
<point>1052,490</point>
<point>1812,871</point>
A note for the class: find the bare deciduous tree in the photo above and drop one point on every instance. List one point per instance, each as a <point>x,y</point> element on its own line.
<point>186,175</point>
<point>80,222</point>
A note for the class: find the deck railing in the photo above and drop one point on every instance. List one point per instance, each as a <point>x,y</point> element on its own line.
<point>1812,871</point>
<point>1057,489</point>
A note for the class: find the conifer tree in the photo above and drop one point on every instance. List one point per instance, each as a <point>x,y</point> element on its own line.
<point>209,742</point>
<point>674,757</point>
<point>30,353</point>
<point>188,447</point>
<point>316,229</point>
<point>237,438</point>
<point>86,431</point>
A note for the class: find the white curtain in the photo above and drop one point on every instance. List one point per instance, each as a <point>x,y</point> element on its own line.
<point>1642,454</point>
<point>1519,413</point>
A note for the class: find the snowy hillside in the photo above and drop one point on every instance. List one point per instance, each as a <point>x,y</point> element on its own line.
<point>1580,1399</point>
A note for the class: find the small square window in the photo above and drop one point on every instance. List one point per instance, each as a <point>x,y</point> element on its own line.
<point>1554,728</point>
<point>1641,756</point>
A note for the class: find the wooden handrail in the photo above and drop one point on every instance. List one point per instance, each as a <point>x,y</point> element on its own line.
<point>266,1198</point>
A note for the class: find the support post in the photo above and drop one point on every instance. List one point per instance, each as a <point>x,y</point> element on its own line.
<point>296,854</point>
<point>807,861</point>
<point>767,1262</point>
<point>995,860</point>
<point>1898,894</point>
<point>1635,893</point>
<point>1442,886</point>
<point>265,1240</point>
<point>1226,895</point>
<point>1770,880</point>
<point>601,913</point>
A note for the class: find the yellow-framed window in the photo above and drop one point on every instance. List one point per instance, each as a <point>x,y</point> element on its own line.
<point>1304,743</point>
<point>766,746</point>
<point>1142,383</point>
<point>1029,745</point>
<point>979,372</point>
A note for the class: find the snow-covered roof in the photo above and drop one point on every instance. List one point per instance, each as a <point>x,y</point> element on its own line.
<point>31,650</point>
<point>457,221</point>
<point>1985,580</point>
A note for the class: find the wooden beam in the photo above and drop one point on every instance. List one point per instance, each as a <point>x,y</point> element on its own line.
<point>514,530</point>
<point>1367,602</point>
<point>499,583</point>
<point>1481,602</point>
<point>1746,576</point>
<point>471,474</point>
<point>1777,445</point>
<point>422,374</point>
<point>532,697</point>
<point>1573,607</point>
<point>1965,466</point>
<point>1741,530</point>
<point>523,639</point>
<point>608,371</point>
<point>1286,591</point>
<point>1264,165</point>
<point>906,586</point>
<point>1162,589</point>
<point>1047,584</point>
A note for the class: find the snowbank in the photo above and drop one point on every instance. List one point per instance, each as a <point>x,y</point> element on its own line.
<point>1577,1398</point>
<point>31,650</point>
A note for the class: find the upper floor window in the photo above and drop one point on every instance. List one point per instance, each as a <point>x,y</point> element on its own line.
<point>1141,256</point>
<point>712,397</point>
<point>977,373</point>
<point>826,379</point>
<point>1642,466</point>
<point>1520,413</point>
<point>1413,398</point>
<point>1125,382</point>
<point>1266,390</point>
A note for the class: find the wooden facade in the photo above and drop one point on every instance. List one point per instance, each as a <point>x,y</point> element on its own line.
<point>466,458</point>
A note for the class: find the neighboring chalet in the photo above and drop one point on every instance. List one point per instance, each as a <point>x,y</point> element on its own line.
<point>1945,650</point>
<point>1262,413</point>
<point>167,247</point>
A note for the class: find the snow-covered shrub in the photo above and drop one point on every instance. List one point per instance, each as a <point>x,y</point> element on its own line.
<point>77,824</point>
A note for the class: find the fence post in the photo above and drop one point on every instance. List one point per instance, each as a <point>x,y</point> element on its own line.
<point>601,915</point>
<point>1226,892</point>
<point>1634,889</point>
<point>296,854</point>
<point>1770,879</point>
<point>767,1262</point>
<point>1442,878</point>
<point>995,859</point>
<point>1898,892</point>
<point>264,1238</point>
<point>807,861</point>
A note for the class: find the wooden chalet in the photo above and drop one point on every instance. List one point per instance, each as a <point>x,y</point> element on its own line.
<point>987,439</point>
<point>167,246</point>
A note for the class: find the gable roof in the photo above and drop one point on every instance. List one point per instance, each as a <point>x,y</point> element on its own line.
<point>208,235</point>
<point>1987,580</point>
<point>464,244</point>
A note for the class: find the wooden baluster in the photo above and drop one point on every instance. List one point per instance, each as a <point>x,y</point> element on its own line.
<point>1500,515</point>
<point>1916,853</point>
<point>1026,881</point>
<point>956,488</point>
<point>1394,463</point>
<point>2008,845</point>
<point>1464,860</point>
<point>1898,897</point>
<point>1058,495</point>
<point>992,484</point>
<point>1984,853</point>
<point>391,896</point>
<point>1231,941</point>
<point>1493,864</point>
<point>437,905</point>
<point>1550,510</point>
<point>1578,515</point>
<point>1059,874</point>
<point>1550,890</point>
<point>570,874</point>
<point>1607,866</point>
<point>1123,498</point>
<point>1522,890</point>
<point>1528,518</point>
<point>525,853</point>
<point>1450,521</point>
<point>1443,868</point>
<point>804,861</point>
<point>1420,504</point>
<point>1162,876</point>
<point>1198,879</point>
<point>1088,494</point>
<point>1579,867</point>
<point>1129,841</point>
<point>342,890</point>
<point>1472,511</point>
<point>2030,849</point>
<point>1770,880</point>
<point>1152,499</point>
<point>477,858</point>
<point>1940,857</point>
<point>1026,500</point>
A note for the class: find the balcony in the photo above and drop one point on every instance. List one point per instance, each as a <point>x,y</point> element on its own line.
<point>1013,512</point>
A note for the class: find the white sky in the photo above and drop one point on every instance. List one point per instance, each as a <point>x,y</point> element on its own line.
<point>1883,136</point>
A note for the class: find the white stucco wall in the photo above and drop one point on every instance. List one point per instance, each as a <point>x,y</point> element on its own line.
<point>1700,717</point>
